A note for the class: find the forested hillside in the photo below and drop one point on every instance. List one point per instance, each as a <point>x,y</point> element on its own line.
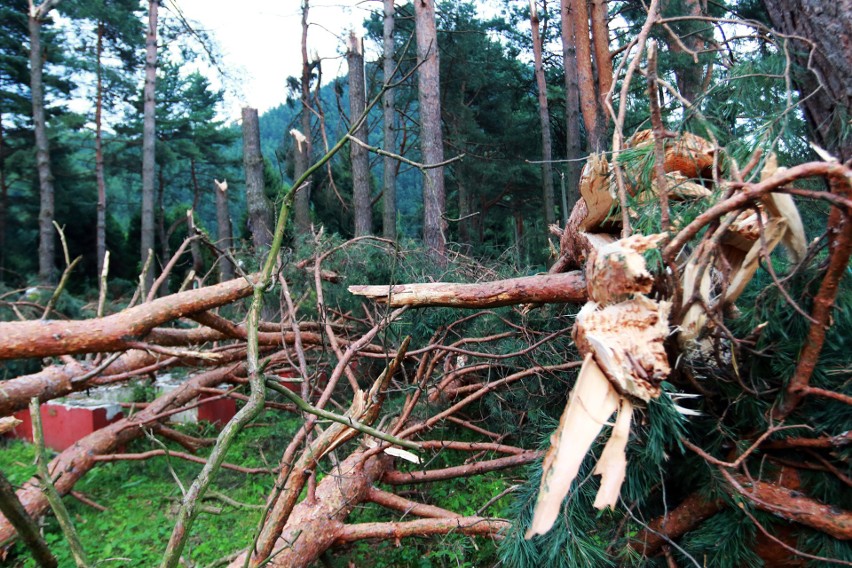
<point>532,283</point>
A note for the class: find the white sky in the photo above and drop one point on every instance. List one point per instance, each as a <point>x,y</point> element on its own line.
<point>260,42</point>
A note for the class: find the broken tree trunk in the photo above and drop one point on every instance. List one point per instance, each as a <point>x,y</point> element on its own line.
<point>550,288</point>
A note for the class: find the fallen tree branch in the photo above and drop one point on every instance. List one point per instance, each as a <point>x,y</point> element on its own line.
<point>422,527</point>
<point>112,333</point>
<point>793,506</point>
<point>569,287</point>
<point>691,512</point>
<point>476,468</point>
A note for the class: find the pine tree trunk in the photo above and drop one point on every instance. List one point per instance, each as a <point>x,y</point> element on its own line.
<point>823,73</point>
<point>357,153</point>
<point>223,225</point>
<point>148,141</point>
<point>46,265</point>
<point>572,110</point>
<point>259,208</point>
<point>100,230</point>
<point>431,141</point>
<point>603,59</point>
<point>302,201</point>
<point>389,113</point>
<point>4,203</point>
<point>589,106</point>
<point>544,118</point>
<point>689,75</point>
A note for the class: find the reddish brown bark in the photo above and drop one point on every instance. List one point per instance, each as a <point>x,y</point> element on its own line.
<point>692,511</point>
<point>600,41</point>
<point>567,287</point>
<point>588,92</point>
<point>423,527</point>
<point>315,524</point>
<point>115,332</point>
<point>841,250</point>
<point>797,507</point>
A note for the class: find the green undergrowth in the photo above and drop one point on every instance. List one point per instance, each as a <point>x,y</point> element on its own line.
<point>142,499</point>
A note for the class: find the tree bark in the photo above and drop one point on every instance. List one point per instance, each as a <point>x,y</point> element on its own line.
<point>4,203</point>
<point>689,75</point>
<point>548,194</point>
<point>100,230</point>
<point>42,338</point>
<point>588,93</point>
<point>26,528</point>
<point>149,141</point>
<point>223,226</point>
<point>389,115</point>
<point>302,201</point>
<point>823,73</point>
<point>431,140</point>
<point>569,287</point>
<point>358,156</point>
<point>603,59</point>
<point>573,152</point>
<point>259,208</point>
<point>46,265</point>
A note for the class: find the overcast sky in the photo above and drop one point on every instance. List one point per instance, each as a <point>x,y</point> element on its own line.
<point>260,42</point>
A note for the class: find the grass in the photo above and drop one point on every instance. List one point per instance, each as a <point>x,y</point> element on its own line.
<point>142,498</point>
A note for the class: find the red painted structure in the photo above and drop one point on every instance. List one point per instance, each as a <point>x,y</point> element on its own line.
<point>65,424</point>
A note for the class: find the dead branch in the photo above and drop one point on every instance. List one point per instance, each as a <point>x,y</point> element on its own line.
<point>423,527</point>
<point>397,503</point>
<point>550,288</point>
<point>476,468</point>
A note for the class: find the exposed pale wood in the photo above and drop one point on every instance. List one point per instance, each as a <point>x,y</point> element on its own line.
<point>627,340</point>
<point>545,288</point>
<point>612,465</point>
<point>590,405</point>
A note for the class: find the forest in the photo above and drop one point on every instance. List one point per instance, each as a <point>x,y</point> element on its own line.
<point>534,283</point>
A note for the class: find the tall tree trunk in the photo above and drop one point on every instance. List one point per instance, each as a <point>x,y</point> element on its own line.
<point>544,118</point>
<point>586,80</point>
<point>603,59</point>
<point>148,141</point>
<point>46,264</point>
<point>572,109</point>
<point>259,208</point>
<point>4,202</point>
<point>688,75</point>
<point>100,230</point>
<point>302,201</point>
<point>823,71</point>
<point>223,226</point>
<point>358,154</point>
<point>389,113</point>
<point>431,141</point>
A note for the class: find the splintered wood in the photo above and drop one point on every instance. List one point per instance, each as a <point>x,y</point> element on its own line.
<point>621,333</point>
